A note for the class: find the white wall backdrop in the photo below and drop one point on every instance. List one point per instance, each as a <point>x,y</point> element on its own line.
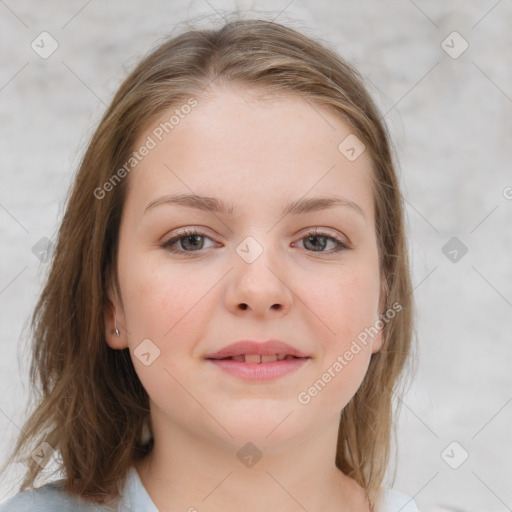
<point>449,109</point>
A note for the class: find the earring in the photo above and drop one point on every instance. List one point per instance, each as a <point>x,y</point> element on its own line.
<point>115,323</point>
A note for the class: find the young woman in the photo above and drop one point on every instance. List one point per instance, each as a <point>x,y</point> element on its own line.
<point>229,307</point>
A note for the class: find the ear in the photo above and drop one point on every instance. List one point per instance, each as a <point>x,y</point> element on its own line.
<point>114,316</point>
<point>378,341</point>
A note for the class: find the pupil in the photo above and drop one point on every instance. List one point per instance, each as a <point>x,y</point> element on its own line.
<point>316,245</point>
<point>196,240</point>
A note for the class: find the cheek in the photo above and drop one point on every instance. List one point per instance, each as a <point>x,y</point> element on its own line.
<point>344,306</point>
<point>161,297</point>
<point>344,301</point>
<point>166,305</point>
<point>170,304</point>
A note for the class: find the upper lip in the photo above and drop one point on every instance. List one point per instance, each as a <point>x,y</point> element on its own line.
<point>266,348</point>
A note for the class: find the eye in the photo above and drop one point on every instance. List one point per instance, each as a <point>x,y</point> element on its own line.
<point>188,238</point>
<point>318,240</point>
<point>192,240</point>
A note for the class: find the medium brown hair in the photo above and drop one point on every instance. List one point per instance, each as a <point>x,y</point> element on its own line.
<point>91,406</point>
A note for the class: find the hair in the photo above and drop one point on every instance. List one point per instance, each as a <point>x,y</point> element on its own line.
<point>91,406</point>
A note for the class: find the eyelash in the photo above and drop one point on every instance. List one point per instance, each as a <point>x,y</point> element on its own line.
<point>167,245</point>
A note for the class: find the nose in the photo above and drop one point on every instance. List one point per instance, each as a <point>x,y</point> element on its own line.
<point>260,287</point>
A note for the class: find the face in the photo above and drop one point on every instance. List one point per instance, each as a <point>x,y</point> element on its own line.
<point>251,273</point>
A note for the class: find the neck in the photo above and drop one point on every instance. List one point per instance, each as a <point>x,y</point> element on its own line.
<point>188,472</point>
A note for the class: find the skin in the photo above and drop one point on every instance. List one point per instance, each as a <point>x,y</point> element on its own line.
<point>191,304</point>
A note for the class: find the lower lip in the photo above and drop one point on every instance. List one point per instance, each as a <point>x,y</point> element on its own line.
<point>259,371</point>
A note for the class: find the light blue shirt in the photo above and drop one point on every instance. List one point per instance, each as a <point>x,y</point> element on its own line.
<point>51,498</point>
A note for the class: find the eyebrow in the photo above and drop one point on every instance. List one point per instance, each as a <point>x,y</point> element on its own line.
<point>213,204</point>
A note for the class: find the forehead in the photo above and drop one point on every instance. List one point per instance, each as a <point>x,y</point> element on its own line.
<point>250,148</point>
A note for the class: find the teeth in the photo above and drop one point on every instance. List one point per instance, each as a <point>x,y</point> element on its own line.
<point>253,358</point>
<point>256,358</point>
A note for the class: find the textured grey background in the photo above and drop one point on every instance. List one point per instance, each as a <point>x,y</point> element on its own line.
<point>452,124</point>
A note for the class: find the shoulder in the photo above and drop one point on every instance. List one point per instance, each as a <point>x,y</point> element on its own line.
<point>393,501</point>
<point>48,498</point>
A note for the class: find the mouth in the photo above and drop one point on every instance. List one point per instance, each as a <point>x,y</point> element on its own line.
<point>248,351</point>
<point>258,361</point>
<point>257,358</point>
<point>259,368</point>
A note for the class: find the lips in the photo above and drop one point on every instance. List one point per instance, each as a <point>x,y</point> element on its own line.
<point>256,358</point>
<point>258,352</point>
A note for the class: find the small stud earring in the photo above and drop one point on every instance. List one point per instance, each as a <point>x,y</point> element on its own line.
<point>115,323</point>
